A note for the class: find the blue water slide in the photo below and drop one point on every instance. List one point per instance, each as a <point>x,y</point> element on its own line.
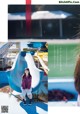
<point>22,61</point>
<point>16,72</point>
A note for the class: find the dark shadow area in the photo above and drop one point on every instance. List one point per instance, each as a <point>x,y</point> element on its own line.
<point>61,95</point>
<point>3,85</point>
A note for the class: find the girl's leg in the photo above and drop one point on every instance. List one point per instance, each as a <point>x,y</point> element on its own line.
<point>29,95</point>
<point>78,100</point>
<point>23,94</point>
<point>30,99</point>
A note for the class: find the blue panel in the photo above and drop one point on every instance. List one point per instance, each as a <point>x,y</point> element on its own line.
<point>37,44</point>
<point>3,77</point>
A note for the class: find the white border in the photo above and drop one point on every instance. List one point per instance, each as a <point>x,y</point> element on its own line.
<point>64,110</point>
<point>39,1</point>
<point>52,80</point>
<point>3,38</point>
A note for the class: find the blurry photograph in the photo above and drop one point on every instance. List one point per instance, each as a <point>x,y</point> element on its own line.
<point>43,22</point>
<point>64,73</point>
<point>24,77</point>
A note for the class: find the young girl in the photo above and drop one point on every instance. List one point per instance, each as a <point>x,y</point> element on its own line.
<point>26,86</point>
<point>77,80</point>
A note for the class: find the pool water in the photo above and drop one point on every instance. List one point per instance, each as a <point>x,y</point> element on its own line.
<point>63,84</point>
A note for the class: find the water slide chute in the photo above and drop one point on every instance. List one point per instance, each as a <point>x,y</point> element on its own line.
<point>13,76</point>
<point>36,73</point>
<point>16,72</point>
<point>22,61</point>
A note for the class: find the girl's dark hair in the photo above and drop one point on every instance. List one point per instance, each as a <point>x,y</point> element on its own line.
<point>28,73</point>
<point>77,75</point>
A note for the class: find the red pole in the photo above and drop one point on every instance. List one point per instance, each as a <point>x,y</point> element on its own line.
<point>28,18</point>
<point>28,2</point>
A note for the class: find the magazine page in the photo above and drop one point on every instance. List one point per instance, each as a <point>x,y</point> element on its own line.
<point>39,56</point>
